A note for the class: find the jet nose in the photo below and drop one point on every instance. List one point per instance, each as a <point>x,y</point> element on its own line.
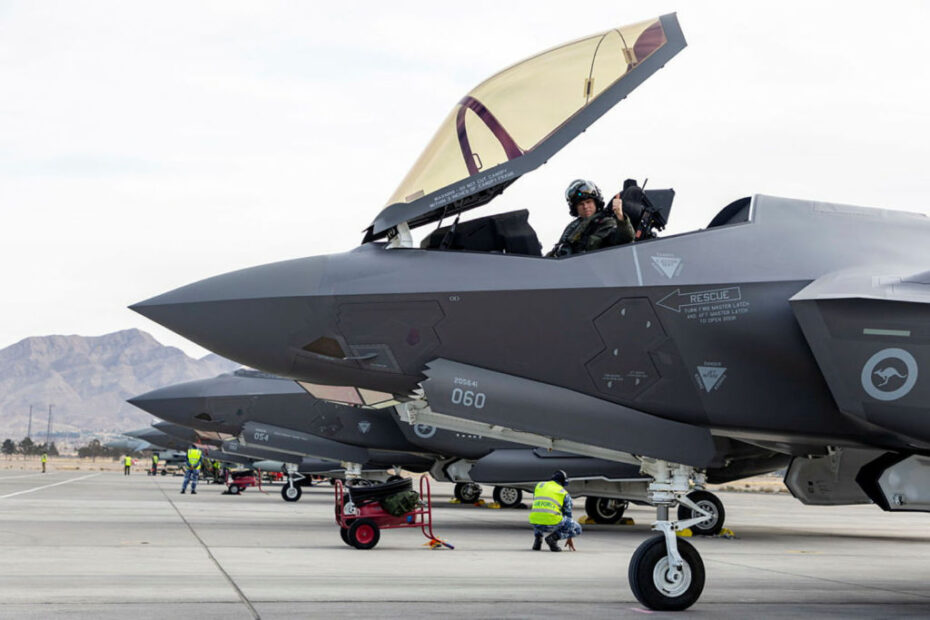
<point>189,405</point>
<point>253,316</point>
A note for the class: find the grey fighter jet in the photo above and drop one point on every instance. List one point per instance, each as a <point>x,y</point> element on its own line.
<point>793,326</point>
<point>277,414</point>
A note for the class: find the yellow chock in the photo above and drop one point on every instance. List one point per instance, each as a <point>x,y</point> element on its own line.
<point>493,505</point>
<point>586,520</point>
<point>726,533</point>
<point>480,502</point>
<point>685,533</point>
<point>627,521</point>
<point>454,501</point>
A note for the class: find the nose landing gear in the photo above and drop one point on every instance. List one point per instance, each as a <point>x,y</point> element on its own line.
<point>666,573</point>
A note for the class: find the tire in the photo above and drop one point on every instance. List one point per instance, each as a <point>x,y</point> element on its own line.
<point>363,534</point>
<point>291,493</point>
<point>234,489</point>
<point>649,573</point>
<point>394,478</point>
<point>467,492</point>
<point>508,497</point>
<point>344,535</point>
<point>605,510</point>
<point>710,502</point>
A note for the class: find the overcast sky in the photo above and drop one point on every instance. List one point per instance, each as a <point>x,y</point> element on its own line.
<point>146,145</point>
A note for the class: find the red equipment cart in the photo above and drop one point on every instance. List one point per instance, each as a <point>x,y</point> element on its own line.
<point>361,526</point>
<point>239,481</point>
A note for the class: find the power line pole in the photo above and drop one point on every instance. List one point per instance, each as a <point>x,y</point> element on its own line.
<point>48,432</point>
<point>29,432</point>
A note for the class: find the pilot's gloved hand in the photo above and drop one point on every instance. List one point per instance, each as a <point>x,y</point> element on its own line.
<point>617,205</point>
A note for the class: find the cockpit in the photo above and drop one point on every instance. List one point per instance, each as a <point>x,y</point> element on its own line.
<point>511,124</point>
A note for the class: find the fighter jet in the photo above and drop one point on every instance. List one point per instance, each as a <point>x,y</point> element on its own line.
<point>277,414</point>
<point>795,326</point>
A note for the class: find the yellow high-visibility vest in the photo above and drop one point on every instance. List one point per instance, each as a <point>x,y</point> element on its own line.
<point>548,499</point>
<point>128,461</point>
<point>194,458</point>
<point>44,458</point>
<point>155,459</point>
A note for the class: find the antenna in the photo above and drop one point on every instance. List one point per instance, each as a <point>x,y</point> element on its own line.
<point>48,431</point>
<point>29,432</point>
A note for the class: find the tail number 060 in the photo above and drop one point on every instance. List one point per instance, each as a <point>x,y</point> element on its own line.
<point>468,398</point>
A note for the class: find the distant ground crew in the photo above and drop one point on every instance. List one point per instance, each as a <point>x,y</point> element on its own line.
<point>44,460</point>
<point>154,464</point>
<point>127,464</point>
<point>551,514</point>
<point>192,469</point>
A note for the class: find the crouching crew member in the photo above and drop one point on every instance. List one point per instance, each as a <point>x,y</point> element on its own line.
<point>551,514</point>
<point>192,469</point>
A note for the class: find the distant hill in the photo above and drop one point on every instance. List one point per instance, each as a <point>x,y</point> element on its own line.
<point>88,379</point>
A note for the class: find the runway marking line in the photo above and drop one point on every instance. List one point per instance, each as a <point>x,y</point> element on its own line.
<point>2,478</point>
<point>48,486</point>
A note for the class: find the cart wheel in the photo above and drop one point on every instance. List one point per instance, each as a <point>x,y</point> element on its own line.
<point>344,535</point>
<point>234,489</point>
<point>291,493</point>
<point>508,497</point>
<point>363,534</point>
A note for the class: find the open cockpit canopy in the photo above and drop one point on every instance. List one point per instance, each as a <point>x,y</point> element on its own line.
<point>514,121</point>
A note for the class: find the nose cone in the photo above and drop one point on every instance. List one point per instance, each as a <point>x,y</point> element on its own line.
<point>194,404</point>
<point>253,316</point>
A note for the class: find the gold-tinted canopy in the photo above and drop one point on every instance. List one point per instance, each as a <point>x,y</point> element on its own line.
<point>510,113</point>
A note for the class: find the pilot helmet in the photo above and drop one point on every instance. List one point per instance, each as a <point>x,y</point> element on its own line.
<point>579,190</point>
<point>560,476</point>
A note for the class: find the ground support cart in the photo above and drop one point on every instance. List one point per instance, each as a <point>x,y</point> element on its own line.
<point>239,481</point>
<point>360,524</point>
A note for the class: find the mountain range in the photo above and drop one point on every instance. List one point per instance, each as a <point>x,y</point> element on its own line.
<point>88,379</point>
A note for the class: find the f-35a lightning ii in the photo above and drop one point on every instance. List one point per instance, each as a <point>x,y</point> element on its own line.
<point>277,415</point>
<point>794,326</point>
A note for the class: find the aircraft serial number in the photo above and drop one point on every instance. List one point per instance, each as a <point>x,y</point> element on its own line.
<point>466,382</point>
<point>468,398</point>
<point>261,436</point>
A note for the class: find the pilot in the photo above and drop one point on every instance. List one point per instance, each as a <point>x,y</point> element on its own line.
<point>594,227</point>
<point>551,514</point>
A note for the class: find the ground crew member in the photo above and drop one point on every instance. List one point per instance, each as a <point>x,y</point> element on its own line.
<point>127,464</point>
<point>44,460</point>
<point>192,469</point>
<point>154,464</point>
<point>551,514</point>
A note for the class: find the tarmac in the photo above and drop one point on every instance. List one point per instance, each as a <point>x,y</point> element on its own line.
<point>76,544</point>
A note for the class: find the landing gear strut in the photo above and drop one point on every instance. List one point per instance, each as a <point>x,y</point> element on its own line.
<point>666,573</point>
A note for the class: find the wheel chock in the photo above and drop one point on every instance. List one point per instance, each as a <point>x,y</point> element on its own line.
<point>627,521</point>
<point>493,506</point>
<point>480,502</point>
<point>437,543</point>
<point>455,500</point>
<point>685,533</point>
<point>726,533</point>
<point>586,520</point>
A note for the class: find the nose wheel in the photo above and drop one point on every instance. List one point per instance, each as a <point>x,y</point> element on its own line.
<point>666,573</point>
<point>660,584</point>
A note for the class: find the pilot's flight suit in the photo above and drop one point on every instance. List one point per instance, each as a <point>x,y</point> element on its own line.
<point>601,230</point>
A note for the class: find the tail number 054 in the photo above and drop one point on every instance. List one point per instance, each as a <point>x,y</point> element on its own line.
<point>468,398</point>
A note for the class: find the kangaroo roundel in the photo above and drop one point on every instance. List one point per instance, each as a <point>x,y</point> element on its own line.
<point>889,374</point>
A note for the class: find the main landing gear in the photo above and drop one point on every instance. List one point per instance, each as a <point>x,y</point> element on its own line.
<point>467,492</point>
<point>667,573</point>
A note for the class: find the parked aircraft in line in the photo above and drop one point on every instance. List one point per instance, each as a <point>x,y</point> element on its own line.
<point>787,326</point>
